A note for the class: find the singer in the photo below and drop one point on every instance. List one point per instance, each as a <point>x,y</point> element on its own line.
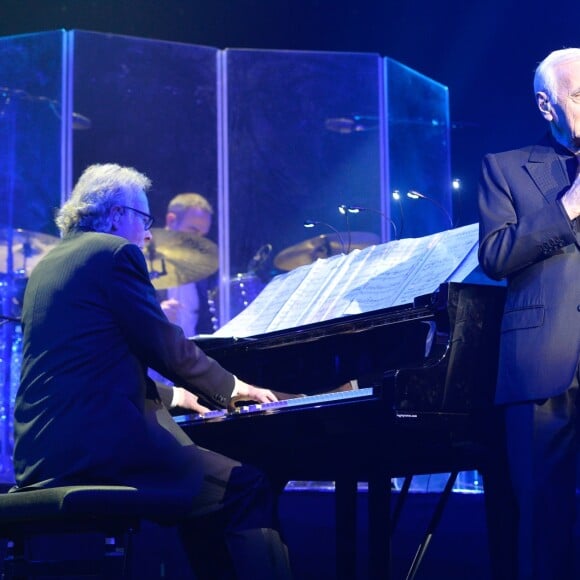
<point>529,207</point>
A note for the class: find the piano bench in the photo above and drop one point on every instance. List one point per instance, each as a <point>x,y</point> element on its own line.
<point>41,528</point>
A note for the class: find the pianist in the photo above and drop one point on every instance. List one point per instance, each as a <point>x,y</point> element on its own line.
<point>529,204</point>
<point>86,413</point>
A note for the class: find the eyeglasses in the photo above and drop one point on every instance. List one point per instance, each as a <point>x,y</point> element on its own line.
<point>148,220</point>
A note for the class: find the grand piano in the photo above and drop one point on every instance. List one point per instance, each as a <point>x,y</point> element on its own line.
<point>391,393</point>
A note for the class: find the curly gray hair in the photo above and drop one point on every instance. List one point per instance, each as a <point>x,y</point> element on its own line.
<point>99,188</point>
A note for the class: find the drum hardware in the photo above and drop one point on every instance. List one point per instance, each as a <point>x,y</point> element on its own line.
<point>243,289</point>
<point>21,250</point>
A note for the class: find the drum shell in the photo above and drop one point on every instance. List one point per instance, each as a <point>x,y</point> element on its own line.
<point>243,289</point>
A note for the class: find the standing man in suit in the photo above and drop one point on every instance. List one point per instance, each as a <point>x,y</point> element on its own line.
<point>86,411</point>
<point>529,203</point>
<point>187,305</point>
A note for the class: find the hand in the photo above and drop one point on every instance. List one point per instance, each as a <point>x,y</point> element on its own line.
<point>171,308</point>
<point>185,399</point>
<point>246,392</point>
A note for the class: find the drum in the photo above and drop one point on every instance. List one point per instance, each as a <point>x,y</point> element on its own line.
<point>12,294</point>
<point>243,289</point>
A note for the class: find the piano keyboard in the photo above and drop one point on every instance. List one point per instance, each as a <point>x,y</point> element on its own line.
<point>310,400</point>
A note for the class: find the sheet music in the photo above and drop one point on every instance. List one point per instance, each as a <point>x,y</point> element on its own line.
<point>336,300</point>
<point>389,272</point>
<point>444,257</point>
<point>308,294</point>
<point>265,306</point>
<point>466,267</point>
<point>377,277</point>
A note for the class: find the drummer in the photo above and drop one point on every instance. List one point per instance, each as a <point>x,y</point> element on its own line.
<point>187,305</point>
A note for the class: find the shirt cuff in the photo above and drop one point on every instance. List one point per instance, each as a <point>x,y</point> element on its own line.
<point>236,390</point>
<point>176,397</point>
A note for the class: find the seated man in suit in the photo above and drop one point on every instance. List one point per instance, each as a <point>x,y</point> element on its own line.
<point>87,413</point>
<point>529,206</point>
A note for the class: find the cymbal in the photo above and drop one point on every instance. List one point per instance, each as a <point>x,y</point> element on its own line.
<point>175,258</point>
<point>27,249</point>
<point>323,246</point>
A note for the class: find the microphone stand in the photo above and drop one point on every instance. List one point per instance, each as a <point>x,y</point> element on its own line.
<point>9,114</point>
<point>151,257</point>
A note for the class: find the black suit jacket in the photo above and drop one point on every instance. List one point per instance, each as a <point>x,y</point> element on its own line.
<point>91,328</point>
<point>526,237</point>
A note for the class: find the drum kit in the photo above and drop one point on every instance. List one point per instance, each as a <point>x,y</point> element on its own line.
<point>20,252</point>
<point>173,258</point>
<point>323,246</point>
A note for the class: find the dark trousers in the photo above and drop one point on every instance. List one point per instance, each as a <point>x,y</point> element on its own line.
<point>542,445</point>
<point>232,528</point>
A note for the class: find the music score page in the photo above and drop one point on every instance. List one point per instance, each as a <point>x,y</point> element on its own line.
<point>376,277</point>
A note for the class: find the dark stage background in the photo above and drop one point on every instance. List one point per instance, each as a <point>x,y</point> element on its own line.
<point>485,51</point>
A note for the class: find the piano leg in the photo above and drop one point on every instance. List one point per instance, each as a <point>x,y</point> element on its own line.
<point>379,539</point>
<point>345,494</point>
<point>379,518</point>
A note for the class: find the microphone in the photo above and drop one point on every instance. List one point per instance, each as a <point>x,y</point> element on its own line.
<point>81,121</point>
<point>151,257</point>
<point>313,223</point>
<point>412,194</point>
<point>6,319</point>
<point>78,121</point>
<point>351,124</point>
<point>346,209</point>
<point>260,257</point>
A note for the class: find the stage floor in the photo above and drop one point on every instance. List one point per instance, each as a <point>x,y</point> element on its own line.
<point>458,550</point>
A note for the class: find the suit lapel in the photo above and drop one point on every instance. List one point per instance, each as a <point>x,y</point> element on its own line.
<point>547,171</point>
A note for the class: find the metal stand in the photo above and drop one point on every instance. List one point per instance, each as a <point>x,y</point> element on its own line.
<point>8,106</point>
<point>422,549</point>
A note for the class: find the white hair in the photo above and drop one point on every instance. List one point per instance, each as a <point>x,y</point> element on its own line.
<point>545,78</point>
<point>98,189</point>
